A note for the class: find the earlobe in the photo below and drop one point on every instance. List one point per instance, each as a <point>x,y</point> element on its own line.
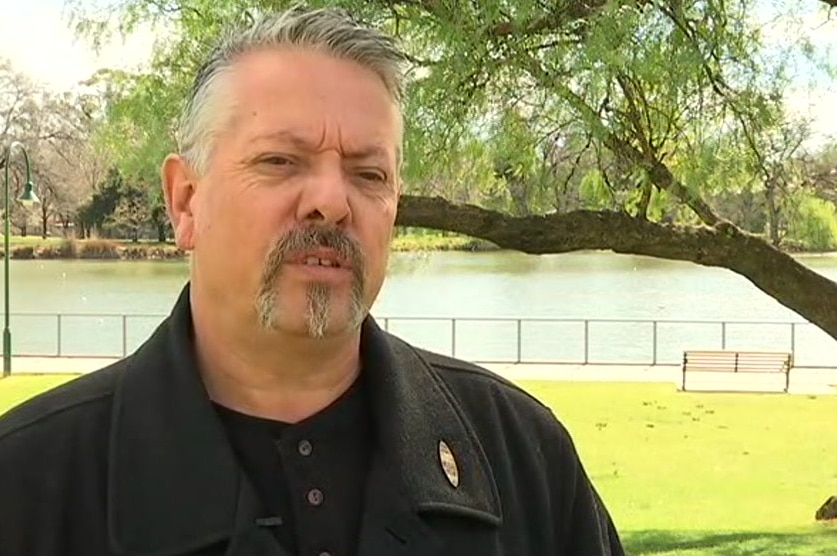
<point>179,190</point>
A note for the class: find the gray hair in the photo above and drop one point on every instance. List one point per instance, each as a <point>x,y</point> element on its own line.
<point>328,30</point>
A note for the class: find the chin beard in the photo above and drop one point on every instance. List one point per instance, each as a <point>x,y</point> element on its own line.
<point>318,316</point>
<point>318,312</point>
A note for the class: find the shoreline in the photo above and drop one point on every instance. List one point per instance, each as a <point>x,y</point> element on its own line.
<point>37,249</point>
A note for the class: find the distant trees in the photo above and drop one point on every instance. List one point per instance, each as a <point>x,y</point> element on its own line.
<point>654,128</point>
<point>56,131</point>
<point>78,171</point>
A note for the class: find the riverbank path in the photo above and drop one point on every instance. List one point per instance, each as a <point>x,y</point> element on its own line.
<point>802,380</point>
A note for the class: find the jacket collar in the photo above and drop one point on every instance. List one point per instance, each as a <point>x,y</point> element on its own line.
<point>174,483</point>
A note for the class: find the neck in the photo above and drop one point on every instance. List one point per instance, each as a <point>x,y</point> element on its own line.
<point>273,375</point>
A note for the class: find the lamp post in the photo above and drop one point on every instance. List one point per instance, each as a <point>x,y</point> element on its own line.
<point>27,198</point>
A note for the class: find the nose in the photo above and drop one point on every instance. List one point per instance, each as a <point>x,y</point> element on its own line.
<point>325,197</point>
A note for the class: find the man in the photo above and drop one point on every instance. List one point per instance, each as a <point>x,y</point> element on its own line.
<point>269,415</point>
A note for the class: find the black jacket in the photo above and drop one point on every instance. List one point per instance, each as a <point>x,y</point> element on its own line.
<point>132,460</point>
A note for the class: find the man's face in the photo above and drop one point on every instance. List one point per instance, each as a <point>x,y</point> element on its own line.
<point>293,218</point>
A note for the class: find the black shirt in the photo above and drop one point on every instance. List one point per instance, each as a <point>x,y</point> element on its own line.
<point>310,475</point>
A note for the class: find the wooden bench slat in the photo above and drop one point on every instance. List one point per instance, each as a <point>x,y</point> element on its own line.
<point>741,356</point>
<point>732,361</point>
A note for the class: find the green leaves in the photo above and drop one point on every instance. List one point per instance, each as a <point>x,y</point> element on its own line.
<point>530,105</point>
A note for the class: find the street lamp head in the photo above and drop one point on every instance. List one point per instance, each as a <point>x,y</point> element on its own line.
<point>28,197</point>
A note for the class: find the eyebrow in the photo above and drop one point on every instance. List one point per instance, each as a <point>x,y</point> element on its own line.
<point>301,142</point>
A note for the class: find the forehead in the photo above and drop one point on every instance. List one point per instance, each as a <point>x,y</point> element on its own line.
<point>312,95</point>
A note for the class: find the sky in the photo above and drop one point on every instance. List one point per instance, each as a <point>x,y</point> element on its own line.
<point>35,35</point>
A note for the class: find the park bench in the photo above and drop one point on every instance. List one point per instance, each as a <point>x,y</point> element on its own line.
<point>730,361</point>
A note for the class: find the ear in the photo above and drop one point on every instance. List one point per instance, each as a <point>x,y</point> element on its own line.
<point>179,190</point>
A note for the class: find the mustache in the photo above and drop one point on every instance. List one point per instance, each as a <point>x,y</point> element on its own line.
<point>312,237</point>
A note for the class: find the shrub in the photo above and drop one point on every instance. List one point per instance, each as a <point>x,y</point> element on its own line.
<point>67,249</point>
<point>167,252</point>
<point>134,253</point>
<point>98,249</point>
<point>814,225</point>
<point>23,252</point>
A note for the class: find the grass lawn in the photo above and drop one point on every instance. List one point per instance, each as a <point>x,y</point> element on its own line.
<point>37,241</point>
<point>401,242</point>
<point>33,241</point>
<point>687,474</point>
<point>706,474</point>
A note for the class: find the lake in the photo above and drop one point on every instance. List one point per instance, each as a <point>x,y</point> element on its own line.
<point>594,307</point>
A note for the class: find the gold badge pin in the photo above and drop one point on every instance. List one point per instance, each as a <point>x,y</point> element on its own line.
<point>448,463</point>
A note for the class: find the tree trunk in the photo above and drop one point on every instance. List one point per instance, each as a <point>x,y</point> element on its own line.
<point>779,275</point>
<point>772,213</point>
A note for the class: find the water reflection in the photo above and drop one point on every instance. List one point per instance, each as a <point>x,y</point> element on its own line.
<point>449,285</point>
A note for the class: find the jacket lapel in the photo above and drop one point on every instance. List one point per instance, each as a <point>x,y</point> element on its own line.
<point>173,479</point>
<point>390,523</point>
<point>429,471</point>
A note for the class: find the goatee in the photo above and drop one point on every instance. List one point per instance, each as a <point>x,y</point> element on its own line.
<point>320,303</point>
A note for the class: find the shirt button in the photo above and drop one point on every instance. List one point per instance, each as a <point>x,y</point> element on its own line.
<point>315,497</point>
<point>324,553</point>
<point>305,448</point>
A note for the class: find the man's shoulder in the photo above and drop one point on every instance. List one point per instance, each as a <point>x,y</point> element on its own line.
<point>60,408</point>
<point>452,368</point>
<point>494,404</point>
<point>471,381</point>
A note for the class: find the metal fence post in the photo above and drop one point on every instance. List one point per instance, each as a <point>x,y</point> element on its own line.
<point>386,324</point>
<point>654,336</point>
<point>519,340</point>
<point>453,337</point>
<point>586,341</point>
<point>124,335</point>
<point>58,336</point>
<point>724,335</point>
<point>793,340</point>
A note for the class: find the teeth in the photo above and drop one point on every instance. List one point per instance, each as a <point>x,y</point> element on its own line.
<point>315,261</point>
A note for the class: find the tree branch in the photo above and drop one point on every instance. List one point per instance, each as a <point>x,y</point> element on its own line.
<point>776,273</point>
<point>658,172</point>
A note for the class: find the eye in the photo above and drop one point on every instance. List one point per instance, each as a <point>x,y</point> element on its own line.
<point>373,176</point>
<point>276,160</point>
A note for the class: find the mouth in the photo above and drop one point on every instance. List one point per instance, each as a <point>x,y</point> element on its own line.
<point>320,258</point>
<point>321,261</point>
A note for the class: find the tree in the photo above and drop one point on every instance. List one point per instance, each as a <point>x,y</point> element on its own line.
<point>139,111</point>
<point>55,129</point>
<point>82,168</point>
<point>18,108</point>
<point>644,107</point>
<point>99,209</point>
<point>131,212</point>
<point>820,172</point>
